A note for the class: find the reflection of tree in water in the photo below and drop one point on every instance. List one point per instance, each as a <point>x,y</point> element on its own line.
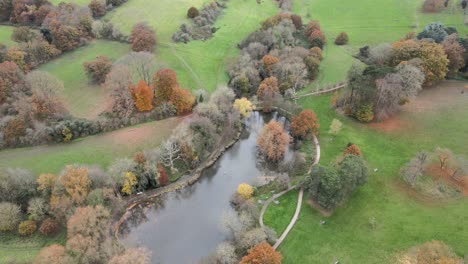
<point>139,215</point>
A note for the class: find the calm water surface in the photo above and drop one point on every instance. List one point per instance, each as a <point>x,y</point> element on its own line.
<point>185,226</point>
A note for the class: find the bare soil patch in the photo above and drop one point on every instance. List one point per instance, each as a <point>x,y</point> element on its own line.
<point>317,207</point>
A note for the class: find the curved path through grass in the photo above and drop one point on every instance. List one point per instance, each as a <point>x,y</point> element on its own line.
<point>299,200</point>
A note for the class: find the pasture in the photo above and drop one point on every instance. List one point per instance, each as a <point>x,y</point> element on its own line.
<point>5,35</point>
<point>382,219</point>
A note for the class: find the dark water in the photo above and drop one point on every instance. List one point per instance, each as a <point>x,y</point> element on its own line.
<point>185,226</point>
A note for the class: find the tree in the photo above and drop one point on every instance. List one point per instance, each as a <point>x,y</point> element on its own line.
<point>17,186</point>
<point>170,152</point>
<point>342,39</point>
<point>353,172</point>
<point>164,82</point>
<point>297,21</point>
<point>435,31</point>
<point>10,215</point>
<point>130,181</point>
<point>76,182</point>
<point>414,170</point>
<point>455,54</point>
<point>132,256</point>
<point>352,149</point>
<point>244,106</point>
<point>434,61</point>
<point>142,95</point>
<point>163,179</point>
<point>88,235</point>
<point>316,52</point>
<point>183,100</point>
<point>54,254</point>
<point>46,183</point>
<point>98,69</point>
<point>273,140</point>
<point>22,34</point>
<point>49,227</point>
<point>317,34</point>
<point>98,8</point>
<point>262,253</point>
<point>268,87</point>
<point>118,81</point>
<point>192,12</point>
<point>141,65</point>
<point>335,126</point>
<point>313,66</point>
<point>310,27</point>
<point>27,228</point>
<point>46,91</point>
<point>142,38</point>
<point>269,61</point>
<point>37,209</point>
<point>304,124</point>
<point>245,190</point>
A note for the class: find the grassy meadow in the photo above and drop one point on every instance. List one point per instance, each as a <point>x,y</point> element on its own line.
<point>5,35</point>
<point>382,218</point>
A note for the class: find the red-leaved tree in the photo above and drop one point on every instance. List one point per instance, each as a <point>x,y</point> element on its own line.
<point>142,38</point>
<point>273,140</point>
<point>262,253</point>
<point>304,124</point>
<point>142,95</point>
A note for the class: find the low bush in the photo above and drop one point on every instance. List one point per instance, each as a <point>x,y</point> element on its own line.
<point>49,227</point>
<point>27,228</point>
<point>342,39</point>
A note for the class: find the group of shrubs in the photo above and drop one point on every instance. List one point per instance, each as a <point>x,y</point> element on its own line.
<point>395,73</point>
<point>202,22</point>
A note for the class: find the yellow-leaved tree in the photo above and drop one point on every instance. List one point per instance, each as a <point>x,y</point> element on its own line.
<point>245,190</point>
<point>130,181</point>
<point>244,106</point>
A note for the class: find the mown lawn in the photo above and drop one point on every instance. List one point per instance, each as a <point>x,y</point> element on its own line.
<point>82,98</point>
<point>99,149</point>
<point>15,249</point>
<point>5,35</point>
<point>401,221</point>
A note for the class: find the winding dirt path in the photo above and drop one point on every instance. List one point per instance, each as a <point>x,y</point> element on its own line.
<point>299,200</point>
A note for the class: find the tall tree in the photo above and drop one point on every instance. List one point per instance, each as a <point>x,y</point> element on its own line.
<point>273,141</point>
<point>305,124</point>
<point>142,38</point>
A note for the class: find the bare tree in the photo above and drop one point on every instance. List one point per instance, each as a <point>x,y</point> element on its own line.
<point>140,64</point>
<point>170,152</point>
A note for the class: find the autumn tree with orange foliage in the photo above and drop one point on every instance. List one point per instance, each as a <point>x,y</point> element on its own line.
<point>183,100</point>
<point>268,88</point>
<point>163,178</point>
<point>273,141</point>
<point>268,62</point>
<point>262,253</point>
<point>164,82</point>
<point>305,124</point>
<point>352,149</point>
<point>142,95</point>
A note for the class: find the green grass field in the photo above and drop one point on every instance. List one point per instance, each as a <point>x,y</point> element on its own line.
<point>5,35</point>
<point>401,220</point>
<point>99,149</point>
<point>82,98</point>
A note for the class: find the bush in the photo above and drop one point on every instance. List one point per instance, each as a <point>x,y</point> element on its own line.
<point>352,149</point>
<point>10,215</point>
<point>193,12</point>
<point>98,8</point>
<point>342,39</point>
<point>142,38</point>
<point>49,227</point>
<point>316,52</point>
<point>98,69</point>
<point>365,113</point>
<point>27,228</point>
<point>433,6</point>
<point>313,66</point>
<point>245,190</point>
<point>262,253</point>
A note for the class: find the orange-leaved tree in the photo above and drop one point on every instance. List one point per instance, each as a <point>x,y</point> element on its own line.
<point>268,88</point>
<point>262,253</point>
<point>352,149</point>
<point>142,95</point>
<point>273,141</point>
<point>164,81</point>
<point>304,124</point>
<point>76,182</point>
<point>182,99</point>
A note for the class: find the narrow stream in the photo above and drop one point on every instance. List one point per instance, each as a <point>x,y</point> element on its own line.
<point>184,227</point>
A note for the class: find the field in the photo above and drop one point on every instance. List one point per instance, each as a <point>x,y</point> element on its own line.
<point>401,220</point>
<point>82,98</point>
<point>99,149</point>
<point>5,35</point>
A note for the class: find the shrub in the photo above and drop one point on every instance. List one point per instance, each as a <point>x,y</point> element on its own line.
<point>142,38</point>
<point>335,127</point>
<point>22,34</point>
<point>37,208</point>
<point>352,149</point>
<point>10,215</point>
<point>311,27</point>
<point>245,190</point>
<point>27,228</point>
<point>316,52</point>
<point>313,66</point>
<point>98,8</point>
<point>49,227</point>
<point>193,12</point>
<point>297,21</point>
<point>433,6</point>
<point>98,69</point>
<point>317,34</point>
<point>342,39</point>
<point>364,113</point>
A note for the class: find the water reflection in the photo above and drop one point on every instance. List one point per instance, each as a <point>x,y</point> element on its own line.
<point>184,227</point>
